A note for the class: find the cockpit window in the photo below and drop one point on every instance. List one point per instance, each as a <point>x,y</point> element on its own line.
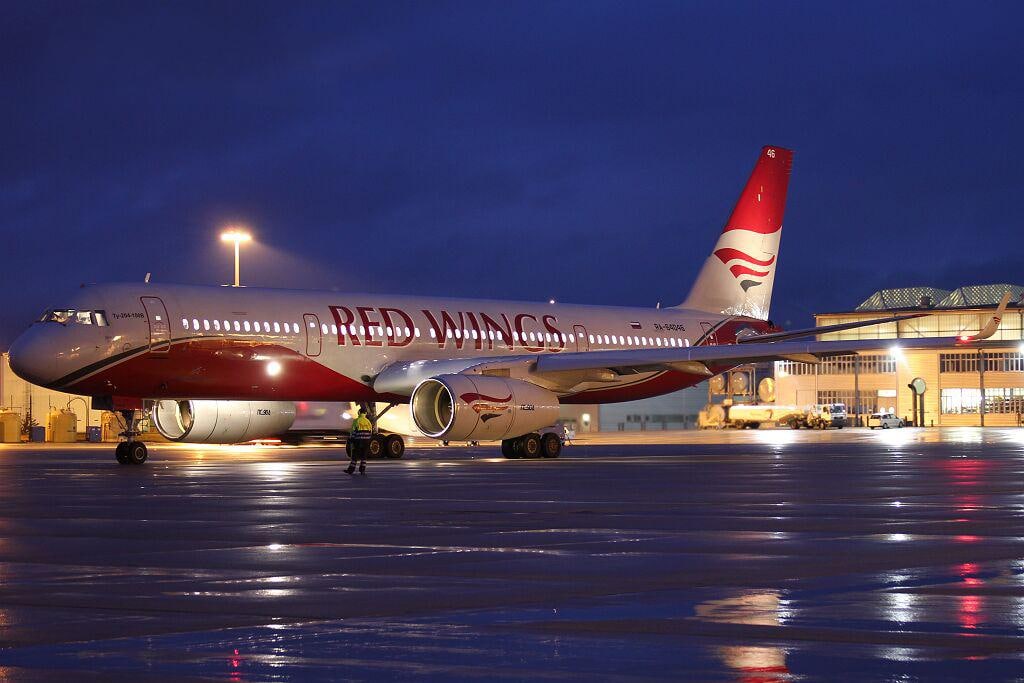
<point>70,315</point>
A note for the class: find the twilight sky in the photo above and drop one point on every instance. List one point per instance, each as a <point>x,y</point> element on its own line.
<point>587,151</point>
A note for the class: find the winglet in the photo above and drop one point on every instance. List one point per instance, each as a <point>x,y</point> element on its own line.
<point>993,323</point>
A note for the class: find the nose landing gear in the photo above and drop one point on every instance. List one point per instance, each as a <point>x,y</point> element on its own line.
<point>131,451</point>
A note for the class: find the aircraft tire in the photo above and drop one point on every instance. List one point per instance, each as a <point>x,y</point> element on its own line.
<point>510,448</point>
<point>394,446</point>
<point>375,448</point>
<point>121,453</point>
<point>136,453</point>
<point>529,445</point>
<point>550,445</point>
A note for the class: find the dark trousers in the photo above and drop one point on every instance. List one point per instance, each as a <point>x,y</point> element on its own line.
<point>359,450</point>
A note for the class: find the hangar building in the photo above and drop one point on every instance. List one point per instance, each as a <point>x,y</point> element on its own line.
<point>962,387</point>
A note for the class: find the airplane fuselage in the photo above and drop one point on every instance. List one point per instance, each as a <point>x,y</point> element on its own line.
<point>153,341</point>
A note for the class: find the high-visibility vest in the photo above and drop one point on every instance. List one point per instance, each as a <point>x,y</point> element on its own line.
<point>361,428</point>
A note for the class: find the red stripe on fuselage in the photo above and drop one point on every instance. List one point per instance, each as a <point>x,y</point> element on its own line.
<point>224,369</point>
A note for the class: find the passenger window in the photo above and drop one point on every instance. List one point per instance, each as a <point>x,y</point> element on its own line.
<point>245,324</point>
<point>184,323</point>
<point>277,328</point>
<point>101,318</point>
<point>227,326</point>
<point>591,339</point>
<point>238,328</point>
<point>295,328</point>
<point>206,324</point>
<point>216,325</point>
<point>323,328</point>
<point>334,329</point>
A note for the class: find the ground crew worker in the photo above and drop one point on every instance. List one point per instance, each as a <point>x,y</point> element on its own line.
<point>360,434</point>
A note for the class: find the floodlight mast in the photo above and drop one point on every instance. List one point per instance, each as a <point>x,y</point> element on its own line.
<point>237,236</point>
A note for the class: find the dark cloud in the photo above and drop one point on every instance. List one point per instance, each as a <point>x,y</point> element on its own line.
<point>587,151</point>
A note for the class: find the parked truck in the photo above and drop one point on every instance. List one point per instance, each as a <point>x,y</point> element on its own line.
<point>822,416</point>
<point>752,416</point>
<point>747,415</point>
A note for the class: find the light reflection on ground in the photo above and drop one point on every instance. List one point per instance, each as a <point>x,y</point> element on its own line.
<point>767,555</point>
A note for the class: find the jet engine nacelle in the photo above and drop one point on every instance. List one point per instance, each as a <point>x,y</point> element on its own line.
<point>222,421</point>
<point>480,407</point>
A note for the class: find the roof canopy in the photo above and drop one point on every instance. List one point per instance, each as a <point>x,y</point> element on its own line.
<point>968,296</point>
<point>905,297</point>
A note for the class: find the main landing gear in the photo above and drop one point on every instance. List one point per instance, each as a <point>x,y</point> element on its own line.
<point>390,446</point>
<point>532,445</point>
<point>131,451</point>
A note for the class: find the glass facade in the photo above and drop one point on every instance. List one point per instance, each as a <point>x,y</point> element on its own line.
<point>870,364</point>
<point>870,401</point>
<point>1001,361</point>
<point>967,400</point>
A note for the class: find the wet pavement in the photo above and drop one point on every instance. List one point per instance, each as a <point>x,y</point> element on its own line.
<point>752,556</point>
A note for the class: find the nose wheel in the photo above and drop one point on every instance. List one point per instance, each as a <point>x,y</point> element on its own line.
<point>131,452</point>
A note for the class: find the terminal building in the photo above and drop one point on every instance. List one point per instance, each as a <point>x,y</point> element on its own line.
<point>961,387</point>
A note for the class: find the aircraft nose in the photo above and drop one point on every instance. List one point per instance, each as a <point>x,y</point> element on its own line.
<point>33,358</point>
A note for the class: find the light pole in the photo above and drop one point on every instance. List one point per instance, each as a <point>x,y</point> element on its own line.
<point>236,236</point>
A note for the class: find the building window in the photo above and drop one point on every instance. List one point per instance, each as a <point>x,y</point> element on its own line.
<point>870,364</point>
<point>1006,361</point>
<point>967,400</point>
<point>958,401</point>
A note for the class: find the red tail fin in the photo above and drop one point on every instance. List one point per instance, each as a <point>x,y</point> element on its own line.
<point>738,277</point>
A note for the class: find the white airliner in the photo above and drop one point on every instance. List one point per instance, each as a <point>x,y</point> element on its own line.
<point>225,365</point>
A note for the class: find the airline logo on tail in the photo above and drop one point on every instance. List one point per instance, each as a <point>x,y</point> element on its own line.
<point>738,276</point>
<point>747,267</point>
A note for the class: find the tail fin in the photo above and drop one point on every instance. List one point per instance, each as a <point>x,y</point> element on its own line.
<point>737,278</point>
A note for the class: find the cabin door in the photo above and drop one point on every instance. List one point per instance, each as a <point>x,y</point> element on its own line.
<point>159,325</point>
<point>580,334</point>
<point>710,337</point>
<point>314,337</point>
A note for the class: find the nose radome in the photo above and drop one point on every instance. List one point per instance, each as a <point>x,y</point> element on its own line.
<point>33,358</point>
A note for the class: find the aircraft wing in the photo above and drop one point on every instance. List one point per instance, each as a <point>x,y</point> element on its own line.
<point>702,359</point>
<point>691,359</point>
<point>562,371</point>
<point>825,329</point>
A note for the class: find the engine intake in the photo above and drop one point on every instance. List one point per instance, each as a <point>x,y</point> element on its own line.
<point>480,407</point>
<point>222,421</point>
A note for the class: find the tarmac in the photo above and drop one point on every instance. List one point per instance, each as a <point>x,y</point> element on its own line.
<point>768,555</point>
